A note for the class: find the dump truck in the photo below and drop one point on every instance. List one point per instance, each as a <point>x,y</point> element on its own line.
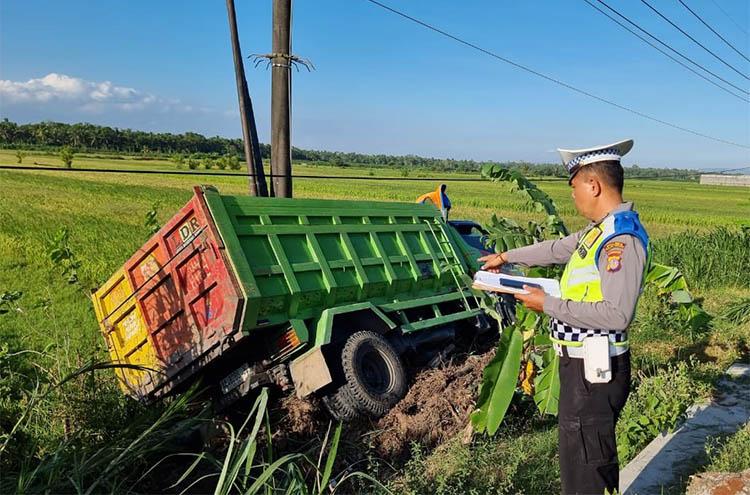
<point>326,297</point>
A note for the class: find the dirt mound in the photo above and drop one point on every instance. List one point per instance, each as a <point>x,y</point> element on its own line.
<point>302,417</point>
<point>436,407</point>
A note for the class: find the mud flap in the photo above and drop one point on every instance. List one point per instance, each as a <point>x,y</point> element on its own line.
<point>310,372</point>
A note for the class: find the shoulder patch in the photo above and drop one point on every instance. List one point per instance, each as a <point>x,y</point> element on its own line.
<point>614,251</point>
<point>614,246</point>
<point>614,263</point>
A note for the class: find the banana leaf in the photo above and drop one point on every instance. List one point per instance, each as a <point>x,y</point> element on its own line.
<point>499,383</point>
<point>547,384</point>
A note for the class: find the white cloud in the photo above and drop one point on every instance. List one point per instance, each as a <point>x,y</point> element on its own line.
<point>88,96</point>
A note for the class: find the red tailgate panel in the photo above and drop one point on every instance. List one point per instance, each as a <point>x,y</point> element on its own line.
<point>186,292</point>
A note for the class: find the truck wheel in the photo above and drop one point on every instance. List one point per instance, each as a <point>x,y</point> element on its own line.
<point>341,405</point>
<point>374,375</point>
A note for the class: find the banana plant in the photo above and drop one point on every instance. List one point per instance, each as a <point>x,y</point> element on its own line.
<point>524,345</point>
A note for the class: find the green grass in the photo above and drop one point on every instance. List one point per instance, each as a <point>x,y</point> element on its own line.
<point>731,454</point>
<point>520,459</point>
<point>105,215</point>
<point>666,207</point>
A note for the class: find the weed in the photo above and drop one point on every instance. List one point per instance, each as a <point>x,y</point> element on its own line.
<point>20,155</point>
<point>730,454</point>
<point>151,222</point>
<point>8,301</point>
<point>58,249</point>
<point>738,312</point>
<point>517,460</point>
<point>657,405</point>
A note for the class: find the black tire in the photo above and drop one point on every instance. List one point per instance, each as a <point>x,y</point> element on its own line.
<point>374,376</point>
<point>340,404</point>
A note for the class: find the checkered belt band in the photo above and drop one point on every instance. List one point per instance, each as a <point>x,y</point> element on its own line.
<point>569,333</point>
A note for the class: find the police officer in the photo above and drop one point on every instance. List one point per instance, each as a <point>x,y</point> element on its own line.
<point>605,267</point>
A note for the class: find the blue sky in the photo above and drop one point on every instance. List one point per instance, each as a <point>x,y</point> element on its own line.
<point>383,84</point>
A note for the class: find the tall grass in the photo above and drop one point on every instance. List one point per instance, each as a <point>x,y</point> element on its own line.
<point>718,258</point>
<point>244,469</point>
<point>72,436</point>
<point>139,451</point>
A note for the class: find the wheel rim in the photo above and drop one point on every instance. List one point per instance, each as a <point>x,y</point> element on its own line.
<point>376,371</point>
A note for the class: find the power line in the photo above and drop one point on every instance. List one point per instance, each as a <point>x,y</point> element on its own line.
<point>665,53</point>
<point>551,79</point>
<point>694,40</point>
<point>714,31</point>
<point>328,177</point>
<point>634,24</point>
<point>730,17</point>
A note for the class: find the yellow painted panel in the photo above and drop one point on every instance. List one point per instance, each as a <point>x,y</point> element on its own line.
<point>126,334</point>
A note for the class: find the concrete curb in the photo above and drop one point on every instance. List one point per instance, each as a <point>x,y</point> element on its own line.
<point>670,457</point>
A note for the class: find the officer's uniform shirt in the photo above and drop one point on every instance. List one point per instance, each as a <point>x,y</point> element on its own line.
<point>621,265</point>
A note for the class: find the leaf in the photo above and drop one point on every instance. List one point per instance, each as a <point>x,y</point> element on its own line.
<point>547,385</point>
<point>499,383</point>
<point>682,296</point>
<point>331,458</point>
<point>541,339</point>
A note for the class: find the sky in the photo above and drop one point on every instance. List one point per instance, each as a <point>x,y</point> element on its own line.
<point>382,84</point>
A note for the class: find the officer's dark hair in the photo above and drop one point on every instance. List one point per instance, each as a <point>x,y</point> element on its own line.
<point>610,172</point>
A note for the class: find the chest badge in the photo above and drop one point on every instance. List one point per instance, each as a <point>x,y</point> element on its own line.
<point>591,237</point>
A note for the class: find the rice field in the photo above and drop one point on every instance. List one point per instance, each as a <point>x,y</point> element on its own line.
<point>53,325</point>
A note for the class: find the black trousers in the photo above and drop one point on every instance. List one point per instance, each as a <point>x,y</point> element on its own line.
<point>587,416</point>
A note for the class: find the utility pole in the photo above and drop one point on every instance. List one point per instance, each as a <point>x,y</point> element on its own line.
<point>281,61</point>
<point>253,158</point>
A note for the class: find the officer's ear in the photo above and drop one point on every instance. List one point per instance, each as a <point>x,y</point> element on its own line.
<point>591,182</point>
<point>596,185</point>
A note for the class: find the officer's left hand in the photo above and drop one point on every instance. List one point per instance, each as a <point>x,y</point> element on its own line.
<point>534,300</point>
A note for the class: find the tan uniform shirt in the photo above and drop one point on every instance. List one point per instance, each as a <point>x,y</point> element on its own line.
<point>620,288</point>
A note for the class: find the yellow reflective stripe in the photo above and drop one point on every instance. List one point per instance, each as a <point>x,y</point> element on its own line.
<point>583,278</point>
<point>566,342</point>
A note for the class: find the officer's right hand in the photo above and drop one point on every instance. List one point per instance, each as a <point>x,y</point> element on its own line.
<point>492,262</point>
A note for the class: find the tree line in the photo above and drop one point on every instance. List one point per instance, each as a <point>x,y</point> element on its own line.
<point>86,138</point>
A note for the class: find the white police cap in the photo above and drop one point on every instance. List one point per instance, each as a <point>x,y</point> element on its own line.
<point>575,159</point>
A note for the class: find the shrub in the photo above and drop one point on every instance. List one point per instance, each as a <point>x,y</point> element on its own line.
<point>232,161</point>
<point>66,155</point>
<point>177,159</point>
<point>192,163</point>
<point>657,405</point>
<point>20,155</point>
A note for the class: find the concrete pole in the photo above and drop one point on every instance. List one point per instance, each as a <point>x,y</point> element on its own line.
<point>253,157</point>
<point>281,148</point>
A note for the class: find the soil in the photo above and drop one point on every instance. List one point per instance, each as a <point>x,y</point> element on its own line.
<point>720,484</point>
<point>436,407</point>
